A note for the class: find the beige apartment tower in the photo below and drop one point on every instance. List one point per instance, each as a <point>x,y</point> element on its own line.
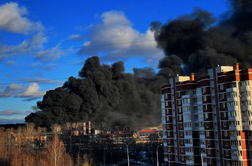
<point>209,120</point>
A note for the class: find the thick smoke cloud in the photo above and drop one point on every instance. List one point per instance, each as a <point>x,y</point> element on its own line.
<point>192,43</point>
<point>104,94</point>
<point>200,44</point>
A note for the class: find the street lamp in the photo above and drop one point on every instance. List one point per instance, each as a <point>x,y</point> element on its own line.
<point>128,152</point>
<point>157,153</point>
<point>202,163</point>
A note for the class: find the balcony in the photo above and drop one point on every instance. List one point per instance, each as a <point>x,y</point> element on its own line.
<point>188,128</point>
<point>231,90</point>
<point>162,98</point>
<point>232,137</point>
<point>232,108</point>
<point>199,102</point>
<point>188,145</point>
<point>236,147</point>
<point>189,161</point>
<point>244,88</point>
<point>232,99</point>
<point>245,98</point>
<point>203,146</point>
<point>234,127</point>
<point>189,153</point>
<point>185,96</point>
<point>237,157</point>
<point>201,128</point>
<point>247,127</point>
<point>246,108</point>
<point>164,136</point>
<point>188,136</point>
<point>202,137</point>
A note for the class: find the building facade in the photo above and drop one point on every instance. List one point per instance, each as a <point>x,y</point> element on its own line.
<point>209,120</point>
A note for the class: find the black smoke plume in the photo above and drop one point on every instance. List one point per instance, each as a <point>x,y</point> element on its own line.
<point>104,94</point>
<point>198,42</point>
<point>191,43</point>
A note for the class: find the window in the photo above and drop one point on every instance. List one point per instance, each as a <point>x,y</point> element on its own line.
<point>201,124</point>
<point>206,125</point>
<point>163,105</point>
<point>226,152</point>
<point>204,89</point>
<point>198,90</point>
<point>224,114</point>
<point>207,142</point>
<point>200,116</point>
<point>178,94</point>
<point>179,102</point>
<point>221,87</point>
<point>225,124</point>
<point>225,133</point>
<point>223,105</point>
<point>205,107</point>
<point>207,133</point>
<point>179,110</point>
<point>180,117</point>
<point>205,98</point>
<point>225,143</point>
<point>221,96</point>
<point>206,116</point>
<point>188,133</point>
<point>209,161</point>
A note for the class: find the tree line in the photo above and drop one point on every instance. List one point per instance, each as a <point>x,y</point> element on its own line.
<point>22,147</point>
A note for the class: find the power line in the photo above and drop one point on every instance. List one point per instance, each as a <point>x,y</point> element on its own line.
<point>69,48</point>
<point>19,82</point>
<point>31,81</point>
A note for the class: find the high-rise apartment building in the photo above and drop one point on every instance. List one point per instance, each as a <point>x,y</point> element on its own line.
<point>209,120</point>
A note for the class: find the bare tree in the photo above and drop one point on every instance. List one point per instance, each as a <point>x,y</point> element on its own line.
<point>56,151</point>
<point>87,161</point>
<point>56,128</point>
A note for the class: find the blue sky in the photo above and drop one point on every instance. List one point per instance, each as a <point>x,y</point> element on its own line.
<point>29,30</point>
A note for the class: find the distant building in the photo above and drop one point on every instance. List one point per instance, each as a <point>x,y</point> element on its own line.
<point>209,116</point>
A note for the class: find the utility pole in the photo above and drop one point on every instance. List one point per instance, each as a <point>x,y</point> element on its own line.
<point>157,154</point>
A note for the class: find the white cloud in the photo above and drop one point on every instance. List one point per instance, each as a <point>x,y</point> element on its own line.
<point>12,19</point>
<point>34,47</point>
<point>117,39</point>
<point>11,112</point>
<point>80,28</point>
<point>76,37</point>
<point>11,121</point>
<point>31,92</point>
<point>86,43</point>
<point>9,63</point>
<point>11,90</point>
<point>41,80</point>
<point>50,55</point>
<point>26,47</point>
